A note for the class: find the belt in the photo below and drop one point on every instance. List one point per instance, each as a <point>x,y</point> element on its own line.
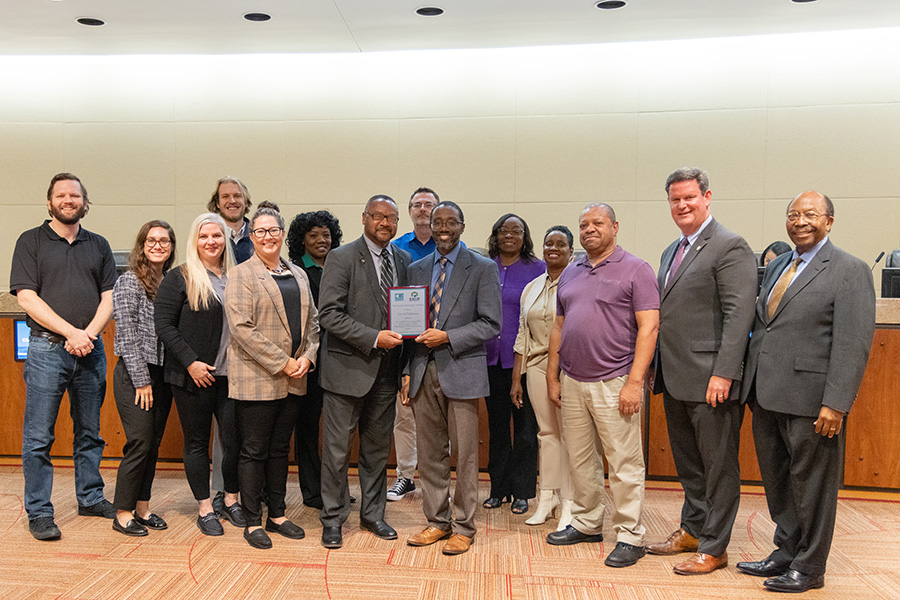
<point>56,339</point>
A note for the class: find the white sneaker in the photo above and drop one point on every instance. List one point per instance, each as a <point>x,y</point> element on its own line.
<point>401,487</point>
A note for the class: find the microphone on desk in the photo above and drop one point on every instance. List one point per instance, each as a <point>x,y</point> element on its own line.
<point>880,256</point>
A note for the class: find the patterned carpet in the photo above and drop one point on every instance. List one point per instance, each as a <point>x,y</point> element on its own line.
<point>509,559</point>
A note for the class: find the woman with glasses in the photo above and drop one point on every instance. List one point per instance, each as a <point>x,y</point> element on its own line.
<point>274,339</point>
<point>143,398</point>
<point>512,462</point>
<point>190,322</point>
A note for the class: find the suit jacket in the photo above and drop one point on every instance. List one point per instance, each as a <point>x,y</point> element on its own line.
<point>471,315</point>
<point>524,338</point>
<point>351,317</point>
<point>813,351</point>
<point>188,335</point>
<point>705,314</point>
<point>261,335</point>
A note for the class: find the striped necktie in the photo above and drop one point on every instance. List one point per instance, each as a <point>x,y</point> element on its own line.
<point>679,256</point>
<point>781,287</point>
<point>387,279</point>
<point>438,292</point>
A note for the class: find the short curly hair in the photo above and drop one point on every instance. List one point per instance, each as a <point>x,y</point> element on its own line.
<point>302,224</point>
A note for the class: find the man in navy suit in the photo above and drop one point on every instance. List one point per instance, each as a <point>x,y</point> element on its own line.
<point>449,377</point>
<point>815,319</point>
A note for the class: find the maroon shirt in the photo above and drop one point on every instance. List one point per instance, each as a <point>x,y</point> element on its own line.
<point>599,303</point>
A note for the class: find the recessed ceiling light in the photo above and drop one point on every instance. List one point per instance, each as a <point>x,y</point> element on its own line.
<point>430,11</point>
<point>257,17</point>
<point>802,1</point>
<point>610,4</point>
<point>90,21</point>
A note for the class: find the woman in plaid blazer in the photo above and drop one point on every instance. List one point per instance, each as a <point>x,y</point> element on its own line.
<point>274,339</point>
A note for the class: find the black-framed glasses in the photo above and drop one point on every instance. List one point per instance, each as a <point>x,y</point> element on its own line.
<point>378,217</point>
<point>150,242</point>
<point>262,232</point>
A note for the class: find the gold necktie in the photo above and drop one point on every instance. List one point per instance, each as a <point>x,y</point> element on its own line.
<point>781,286</point>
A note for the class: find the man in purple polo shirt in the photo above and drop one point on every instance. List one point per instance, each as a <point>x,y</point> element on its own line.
<point>601,345</point>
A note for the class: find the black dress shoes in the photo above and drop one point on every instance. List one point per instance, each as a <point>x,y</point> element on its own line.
<point>762,568</point>
<point>132,528</point>
<point>258,538</point>
<point>287,529</point>
<point>331,537</point>
<point>570,535</point>
<point>379,529</point>
<point>234,514</point>
<point>794,582</point>
<point>154,521</point>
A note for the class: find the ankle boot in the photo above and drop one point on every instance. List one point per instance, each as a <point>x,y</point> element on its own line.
<point>565,519</point>
<point>546,507</point>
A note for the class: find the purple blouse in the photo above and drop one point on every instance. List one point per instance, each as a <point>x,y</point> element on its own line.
<point>513,279</point>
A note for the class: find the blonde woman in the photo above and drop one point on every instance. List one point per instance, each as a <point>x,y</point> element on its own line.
<point>190,321</point>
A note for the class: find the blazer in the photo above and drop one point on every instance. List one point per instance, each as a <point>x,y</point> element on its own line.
<point>471,315</point>
<point>188,335</point>
<point>813,352</point>
<point>705,314</point>
<point>261,335</point>
<point>351,317</point>
<point>524,338</point>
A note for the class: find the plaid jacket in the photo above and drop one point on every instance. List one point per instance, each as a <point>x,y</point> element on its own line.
<point>135,340</point>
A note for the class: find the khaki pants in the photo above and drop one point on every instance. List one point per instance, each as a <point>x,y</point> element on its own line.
<point>554,458</point>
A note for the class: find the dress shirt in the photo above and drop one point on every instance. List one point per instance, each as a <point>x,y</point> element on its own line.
<point>375,251</point>
<point>805,259</point>
<point>448,268</point>
<point>691,239</point>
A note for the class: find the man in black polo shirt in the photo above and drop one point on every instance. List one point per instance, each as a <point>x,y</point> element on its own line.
<point>63,276</point>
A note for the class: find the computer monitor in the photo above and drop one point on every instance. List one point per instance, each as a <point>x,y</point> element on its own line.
<point>890,282</point>
<point>22,332</point>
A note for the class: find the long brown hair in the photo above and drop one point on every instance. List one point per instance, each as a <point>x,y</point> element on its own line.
<point>137,260</point>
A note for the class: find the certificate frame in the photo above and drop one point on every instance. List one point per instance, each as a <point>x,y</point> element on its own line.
<point>408,309</point>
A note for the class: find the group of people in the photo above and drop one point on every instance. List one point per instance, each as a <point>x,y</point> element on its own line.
<point>561,349</point>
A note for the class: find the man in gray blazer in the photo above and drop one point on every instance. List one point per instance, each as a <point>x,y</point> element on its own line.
<point>449,377</point>
<point>707,286</point>
<point>815,319</point>
<point>360,369</point>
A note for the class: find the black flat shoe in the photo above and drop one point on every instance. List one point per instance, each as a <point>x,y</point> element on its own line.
<point>570,535</point>
<point>519,506</point>
<point>209,524</point>
<point>287,529</point>
<point>762,568</point>
<point>154,521</point>
<point>794,582</point>
<point>494,502</point>
<point>331,537</point>
<point>132,528</point>
<point>379,529</point>
<point>234,514</point>
<point>258,538</point>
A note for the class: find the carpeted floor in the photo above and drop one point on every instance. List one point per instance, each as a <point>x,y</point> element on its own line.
<point>509,559</point>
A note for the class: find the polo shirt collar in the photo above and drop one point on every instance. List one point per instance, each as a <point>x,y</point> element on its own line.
<point>82,233</point>
<point>617,255</point>
<point>309,263</point>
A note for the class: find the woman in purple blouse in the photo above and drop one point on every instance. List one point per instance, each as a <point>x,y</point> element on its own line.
<point>512,460</point>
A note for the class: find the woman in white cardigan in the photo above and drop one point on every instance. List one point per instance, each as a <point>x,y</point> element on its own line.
<point>538,311</point>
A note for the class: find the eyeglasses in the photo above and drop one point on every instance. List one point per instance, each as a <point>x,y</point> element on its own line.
<point>516,232</point>
<point>378,217</point>
<point>261,232</point>
<point>418,205</point>
<point>150,242</point>
<point>809,215</point>
<point>449,223</point>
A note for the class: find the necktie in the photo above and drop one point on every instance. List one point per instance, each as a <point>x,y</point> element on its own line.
<point>387,279</point>
<point>781,286</point>
<point>679,256</point>
<point>438,291</point>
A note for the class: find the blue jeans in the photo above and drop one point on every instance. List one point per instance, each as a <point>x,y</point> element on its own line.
<point>49,372</point>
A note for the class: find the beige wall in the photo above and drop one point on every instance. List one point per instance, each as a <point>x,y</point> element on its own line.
<point>537,131</point>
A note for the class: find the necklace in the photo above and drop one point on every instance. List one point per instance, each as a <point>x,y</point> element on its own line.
<point>281,268</point>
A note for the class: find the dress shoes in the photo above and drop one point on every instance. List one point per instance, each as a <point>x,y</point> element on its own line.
<point>680,541</point>
<point>570,535</point>
<point>701,564</point>
<point>154,521</point>
<point>132,528</point>
<point>258,538</point>
<point>234,514</point>
<point>331,537</point>
<point>287,529</point>
<point>379,529</point>
<point>624,555</point>
<point>794,582</point>
<point>762,568</point>
<point>209,524</point>
<point>428,536</point>
<point>457,544</point>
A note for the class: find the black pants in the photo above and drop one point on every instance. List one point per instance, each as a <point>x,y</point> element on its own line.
<point>306,442</point>
<point>512,460</point>
<point>195,410</point>
<point>265,428</point>
<point>143,433</point>
<point>705,442</point>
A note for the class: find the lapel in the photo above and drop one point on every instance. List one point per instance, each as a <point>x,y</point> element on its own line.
<point>534,291</point>
<point>665,262</point>
<point>268,284</point>
<point>816,266</point>
<point>458,278</point>
<point>694,250</point>
<point>368,264</point>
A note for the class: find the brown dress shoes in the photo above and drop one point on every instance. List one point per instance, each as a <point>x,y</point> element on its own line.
<point>680,541</point>
<point>701,564</point>
<point>457,544</point>
<point>427,536</point>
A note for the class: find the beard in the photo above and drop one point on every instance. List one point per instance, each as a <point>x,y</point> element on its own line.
<point>65,219</point>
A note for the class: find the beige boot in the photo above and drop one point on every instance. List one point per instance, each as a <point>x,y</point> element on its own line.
<point>565,519</point>
<point>546,507</point>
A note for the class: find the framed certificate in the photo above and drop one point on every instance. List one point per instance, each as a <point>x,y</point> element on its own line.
<point>408,310</point>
